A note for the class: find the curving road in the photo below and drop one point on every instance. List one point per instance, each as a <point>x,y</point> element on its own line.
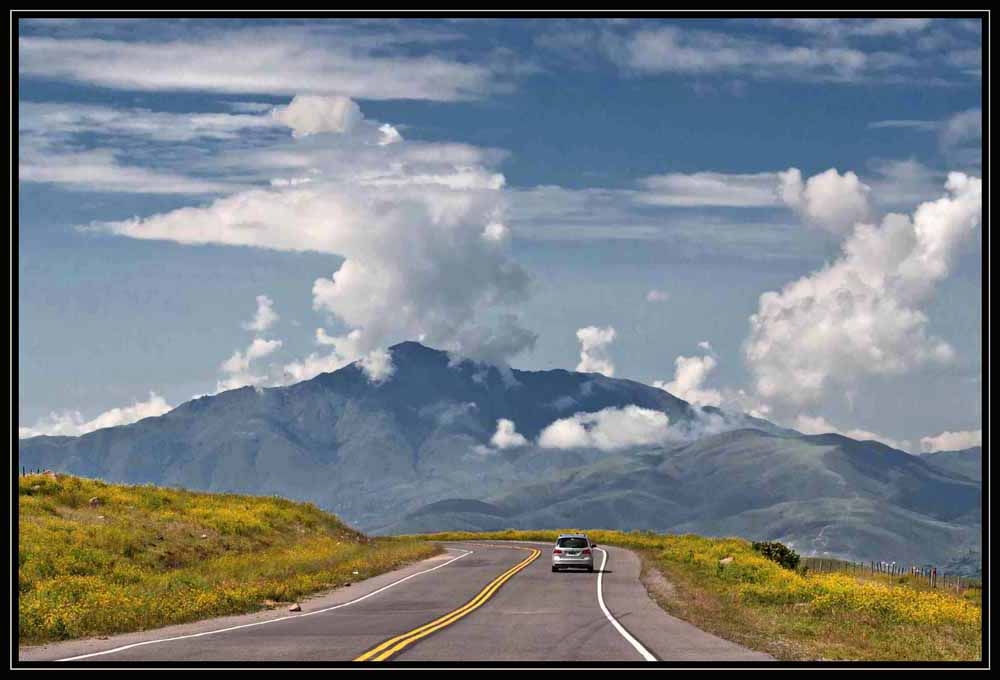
<point>476,602</point>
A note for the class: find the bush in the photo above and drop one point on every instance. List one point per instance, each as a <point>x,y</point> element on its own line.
<point>777,552</point>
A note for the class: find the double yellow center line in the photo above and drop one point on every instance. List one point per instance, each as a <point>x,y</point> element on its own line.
<point>401,642</point>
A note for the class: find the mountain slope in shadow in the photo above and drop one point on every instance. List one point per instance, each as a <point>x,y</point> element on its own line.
<point>412,454</point>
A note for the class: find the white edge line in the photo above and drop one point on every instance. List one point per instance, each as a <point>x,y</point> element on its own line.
<point>614,622</point>
<point>645,653</point>
<point>261,623</point>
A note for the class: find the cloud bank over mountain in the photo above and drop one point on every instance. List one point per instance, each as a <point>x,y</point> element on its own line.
<point>419,227</point>
<point>72,423</point>
<point>689,377</point>
<point>381,161</point>
<point>952,441</point>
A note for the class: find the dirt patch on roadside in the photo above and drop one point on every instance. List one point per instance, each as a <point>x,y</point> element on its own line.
<point>657,585</point>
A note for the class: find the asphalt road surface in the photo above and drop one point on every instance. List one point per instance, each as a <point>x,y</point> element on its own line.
<point>476,602</point>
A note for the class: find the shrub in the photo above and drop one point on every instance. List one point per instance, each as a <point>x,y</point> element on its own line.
<point>777,552</point>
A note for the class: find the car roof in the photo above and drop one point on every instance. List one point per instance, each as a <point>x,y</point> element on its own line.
<point>571,536</point>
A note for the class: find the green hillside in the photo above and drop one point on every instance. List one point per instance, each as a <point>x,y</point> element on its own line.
<point>97,558</point>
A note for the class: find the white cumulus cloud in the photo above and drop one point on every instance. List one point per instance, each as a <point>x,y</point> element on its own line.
<point>237,367</point>
<point>389,135</point>
<point>264,317</point>
<point>507,436</point>
<point>315,114</point>
<point>861,315</point>
<point>312,365</point>
<point>377,365</point>
<point>496,232</point>
<point>829,200</point>
<point>412,222</point>
<point>594,343</point>
<point>690,374</point>
<point>608,429</point>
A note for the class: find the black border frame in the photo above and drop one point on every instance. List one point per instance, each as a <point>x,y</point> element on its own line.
<point>491,14</point>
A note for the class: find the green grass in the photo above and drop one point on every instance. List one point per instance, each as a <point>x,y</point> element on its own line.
<point>789,614</point>
<point>146,556</point>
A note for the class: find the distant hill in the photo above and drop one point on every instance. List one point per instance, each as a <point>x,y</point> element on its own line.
<point>966,462</point>
<point>821,494</point>
<point>411,454</point>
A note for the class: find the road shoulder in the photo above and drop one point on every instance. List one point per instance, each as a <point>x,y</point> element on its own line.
<point>666,636</point>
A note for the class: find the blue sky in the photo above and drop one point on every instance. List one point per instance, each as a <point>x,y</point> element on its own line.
<point>494,186</point>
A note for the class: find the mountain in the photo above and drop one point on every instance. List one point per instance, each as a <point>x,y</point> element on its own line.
<point>371,452</point>
<point>411,454</point>
<point>967,462</point>
<point>822,494</point>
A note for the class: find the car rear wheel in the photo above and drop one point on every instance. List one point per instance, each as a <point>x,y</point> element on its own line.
<point>590,569</point>
<point>555,568</point>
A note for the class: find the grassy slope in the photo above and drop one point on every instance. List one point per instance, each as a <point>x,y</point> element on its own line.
<point>789,615</point>
<point>147,556</point>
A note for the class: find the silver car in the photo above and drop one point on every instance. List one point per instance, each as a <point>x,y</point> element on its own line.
<point>573,550</point>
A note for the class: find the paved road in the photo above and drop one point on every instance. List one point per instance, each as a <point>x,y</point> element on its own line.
<point>476,602</point>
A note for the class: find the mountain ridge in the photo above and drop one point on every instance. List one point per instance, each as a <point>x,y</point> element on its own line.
<point>381,455</point>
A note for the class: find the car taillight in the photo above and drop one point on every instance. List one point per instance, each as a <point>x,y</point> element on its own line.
<point>557,551</point>
<point>586,551</point>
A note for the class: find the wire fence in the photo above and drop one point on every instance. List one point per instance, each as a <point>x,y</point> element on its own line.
<point>928,575</point>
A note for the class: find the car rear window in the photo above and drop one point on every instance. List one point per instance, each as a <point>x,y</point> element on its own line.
<point>573,543</point>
